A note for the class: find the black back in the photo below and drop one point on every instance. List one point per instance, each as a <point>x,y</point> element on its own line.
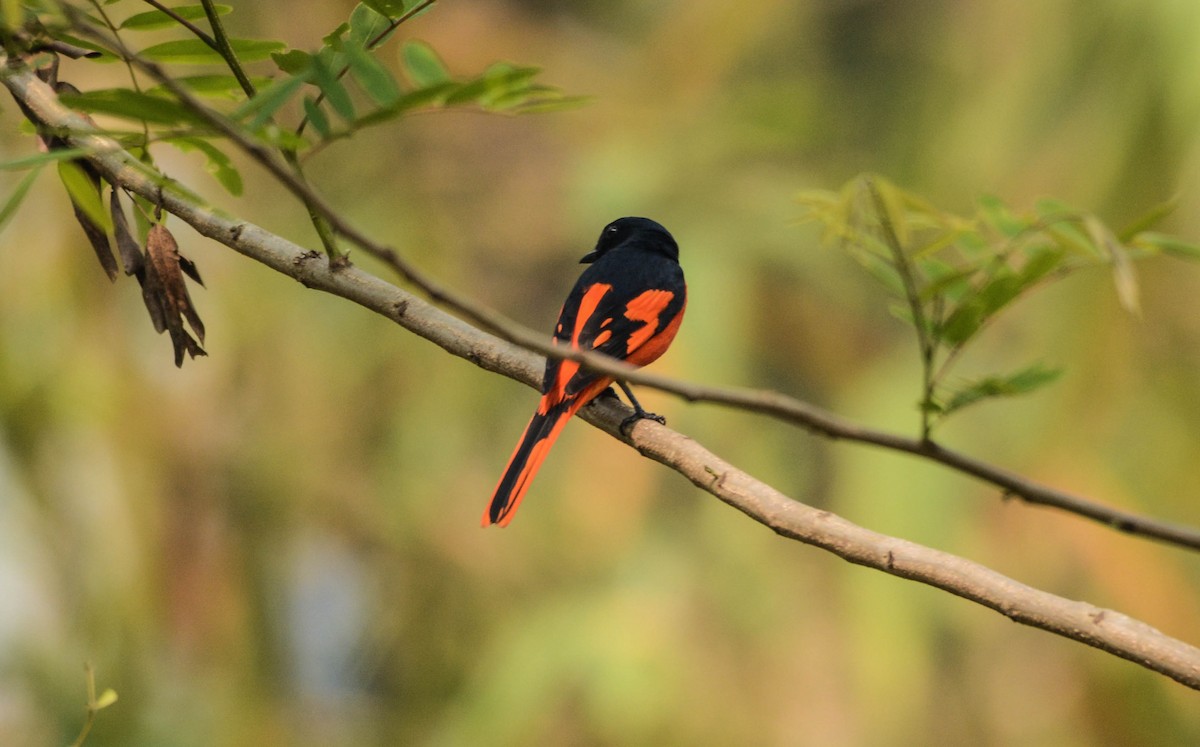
<point>632,256</point>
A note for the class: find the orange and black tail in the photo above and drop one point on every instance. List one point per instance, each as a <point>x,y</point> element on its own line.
<point>531,451</point>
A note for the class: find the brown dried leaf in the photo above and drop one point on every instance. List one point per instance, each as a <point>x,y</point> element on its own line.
<point>127,246</point>
<point>152,296</point>
<point>166,285</point>
<point>189,269</point>
<point>95,233</point>
<point>135,264</point>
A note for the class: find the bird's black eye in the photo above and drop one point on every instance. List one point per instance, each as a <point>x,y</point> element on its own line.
<point>612,229</point>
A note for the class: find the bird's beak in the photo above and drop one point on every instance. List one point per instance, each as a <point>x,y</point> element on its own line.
<point>590,257</point>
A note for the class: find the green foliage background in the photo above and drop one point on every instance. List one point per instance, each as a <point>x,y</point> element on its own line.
<point>279,544</point>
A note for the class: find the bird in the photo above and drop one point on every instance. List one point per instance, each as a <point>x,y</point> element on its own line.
<point>627,304</point>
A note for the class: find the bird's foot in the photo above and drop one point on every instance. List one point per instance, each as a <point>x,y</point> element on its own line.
<point>628,423</point>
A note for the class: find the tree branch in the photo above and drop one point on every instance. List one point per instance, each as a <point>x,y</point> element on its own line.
<point>1104,629</point>
<point>774,404</point>
<point>770,403</point>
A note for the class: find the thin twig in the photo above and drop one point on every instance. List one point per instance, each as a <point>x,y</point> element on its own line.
<point>913,295</point>
<point>198,32</point>
<point>225,49</point>
<point>1103,629</point>
<point>66,50</point>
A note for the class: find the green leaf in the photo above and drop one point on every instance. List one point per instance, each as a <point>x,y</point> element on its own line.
<point>282,137</point>
<point>268,101</point>
<point>17,196</point>
<point>1124,277</point>
<point>432,96</point>
<point>107,698</point>
<point>902,311</point>
<point>974,245</point>
<point>293,61</point>
<point>524,99</point>
<point>335,92</point>
<point>510,100</point>
<point>883,269</point>
<point>1168,245</point>
<point>505,77</point>
<point>936,243</point>
<point>944,279</point>
<point>194,51</point>
<point>831,210</point>
<point>84,194</point>
<point>133,105</point>
<point>1039,262</point>
<point>1148,219</point>
<point>1022,382</point>
<point>423,65</point>
<point>390,8</point>
<point>372,76</point>
<point>223,86</point>
<point>366,23</point>
<point>1055,210</point>
<point>962,324</point>
<point>998,215</point>
<point>503,87</point>
<point>498,79</point>
<point>316,117</point>
<point>1070,238</point>
<point>999,291</point>
<point>1031,378</point>
<point>1061,224</point>
<point>889,200</point>
<point>41,159</point>
<point>156,19</point>
<point>554,104</point>
<point>333,40</point>
<point>216,162</point>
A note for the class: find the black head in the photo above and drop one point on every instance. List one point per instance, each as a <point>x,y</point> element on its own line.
<point>643,231</point>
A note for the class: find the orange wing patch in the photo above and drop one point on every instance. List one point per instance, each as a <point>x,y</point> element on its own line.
<point>646,308</point>
<point>587,307</point>
<point>602,338</point>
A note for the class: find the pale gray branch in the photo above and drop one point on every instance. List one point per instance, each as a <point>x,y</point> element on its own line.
<point>770,403</point>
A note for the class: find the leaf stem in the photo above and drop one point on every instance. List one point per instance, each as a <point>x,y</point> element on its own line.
<point>200,33</point>
<point>225,49</point>
<point>924,340</point>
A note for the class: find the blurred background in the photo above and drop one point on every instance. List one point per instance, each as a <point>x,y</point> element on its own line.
<point>279,544</point>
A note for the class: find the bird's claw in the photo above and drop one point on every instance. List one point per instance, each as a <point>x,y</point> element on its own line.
<point>628,423</point>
